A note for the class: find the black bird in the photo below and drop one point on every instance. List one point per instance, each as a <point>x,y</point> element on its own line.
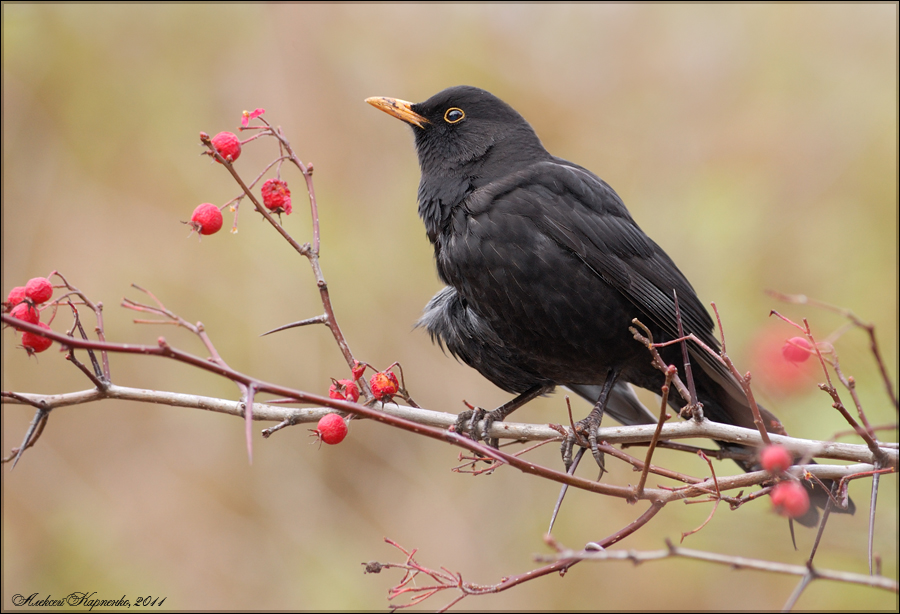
<point>545,270</point>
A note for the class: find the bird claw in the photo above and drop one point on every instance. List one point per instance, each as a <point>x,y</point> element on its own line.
<point>467,424</point>
<point>467,421</point>
<point>584,434</point>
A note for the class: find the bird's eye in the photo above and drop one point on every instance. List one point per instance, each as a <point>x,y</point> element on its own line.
<point>454,115</point>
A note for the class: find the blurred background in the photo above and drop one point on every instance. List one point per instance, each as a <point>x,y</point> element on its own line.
<point>757,144</point>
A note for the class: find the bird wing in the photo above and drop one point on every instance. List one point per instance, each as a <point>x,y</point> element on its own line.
<point>583,215</point>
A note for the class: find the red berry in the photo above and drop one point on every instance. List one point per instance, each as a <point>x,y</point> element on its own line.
<point>207,219</point>
<point>35,343</point>
<point>39,289</point>
<point>331,429</point>
<point>277,196</point>
<point>770,370</point>
<point>796,349</point>
<point>344,389</point>
<point>790,499</point>
<point>26,312</point>
<point>384,385</point>
<point>775,459</point>
<point>358,369</point>
<point>16,296</point>
<point>228,145</point>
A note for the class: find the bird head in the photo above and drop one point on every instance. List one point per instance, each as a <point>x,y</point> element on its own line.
<point>466,132</point>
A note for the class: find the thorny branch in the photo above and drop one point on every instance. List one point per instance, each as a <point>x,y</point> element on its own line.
<point>311,252</point>
<point>429,419</point>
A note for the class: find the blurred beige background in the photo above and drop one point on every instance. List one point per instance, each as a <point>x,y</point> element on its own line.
<point>757,144</point>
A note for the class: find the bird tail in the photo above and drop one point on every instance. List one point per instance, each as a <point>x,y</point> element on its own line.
<point>623,404</point>
<point>625,407</point>
<point>731,409</point>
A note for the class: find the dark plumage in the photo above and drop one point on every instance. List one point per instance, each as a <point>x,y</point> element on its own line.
<point>545,270</point>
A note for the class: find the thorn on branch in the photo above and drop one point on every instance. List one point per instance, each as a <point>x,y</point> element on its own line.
<point>322,319</point>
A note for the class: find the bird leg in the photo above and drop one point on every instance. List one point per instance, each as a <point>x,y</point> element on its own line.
<point>588,426</point>
<point>467,421</point>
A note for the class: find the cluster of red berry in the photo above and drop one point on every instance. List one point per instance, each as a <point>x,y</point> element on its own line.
<point>789,498</point>
<point>23,304</point>
<point>384,385</point>
<point>332,428</point>
<point>276,196</point>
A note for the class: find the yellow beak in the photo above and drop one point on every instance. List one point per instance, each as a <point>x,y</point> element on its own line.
<point>399,109</point>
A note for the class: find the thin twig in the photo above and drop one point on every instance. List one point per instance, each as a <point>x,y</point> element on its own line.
<point>800,299</point>
<point>744,381</point>
<point>663,416</point>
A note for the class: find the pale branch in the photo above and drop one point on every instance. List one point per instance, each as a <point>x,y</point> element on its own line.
<point>443,420</point>
<point>736,562</point>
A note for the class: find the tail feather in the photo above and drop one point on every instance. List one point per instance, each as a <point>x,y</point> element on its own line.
<point>623,404</point>
<point>721,406</point>
<point>625,407</point>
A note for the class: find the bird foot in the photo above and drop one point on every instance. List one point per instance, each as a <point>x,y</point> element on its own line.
<point>467,423</point>
<point>584,434</point>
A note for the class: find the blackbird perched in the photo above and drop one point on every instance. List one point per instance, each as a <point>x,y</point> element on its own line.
<point>545,270</point>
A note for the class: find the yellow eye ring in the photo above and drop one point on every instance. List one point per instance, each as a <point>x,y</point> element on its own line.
<point>454,115</point>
